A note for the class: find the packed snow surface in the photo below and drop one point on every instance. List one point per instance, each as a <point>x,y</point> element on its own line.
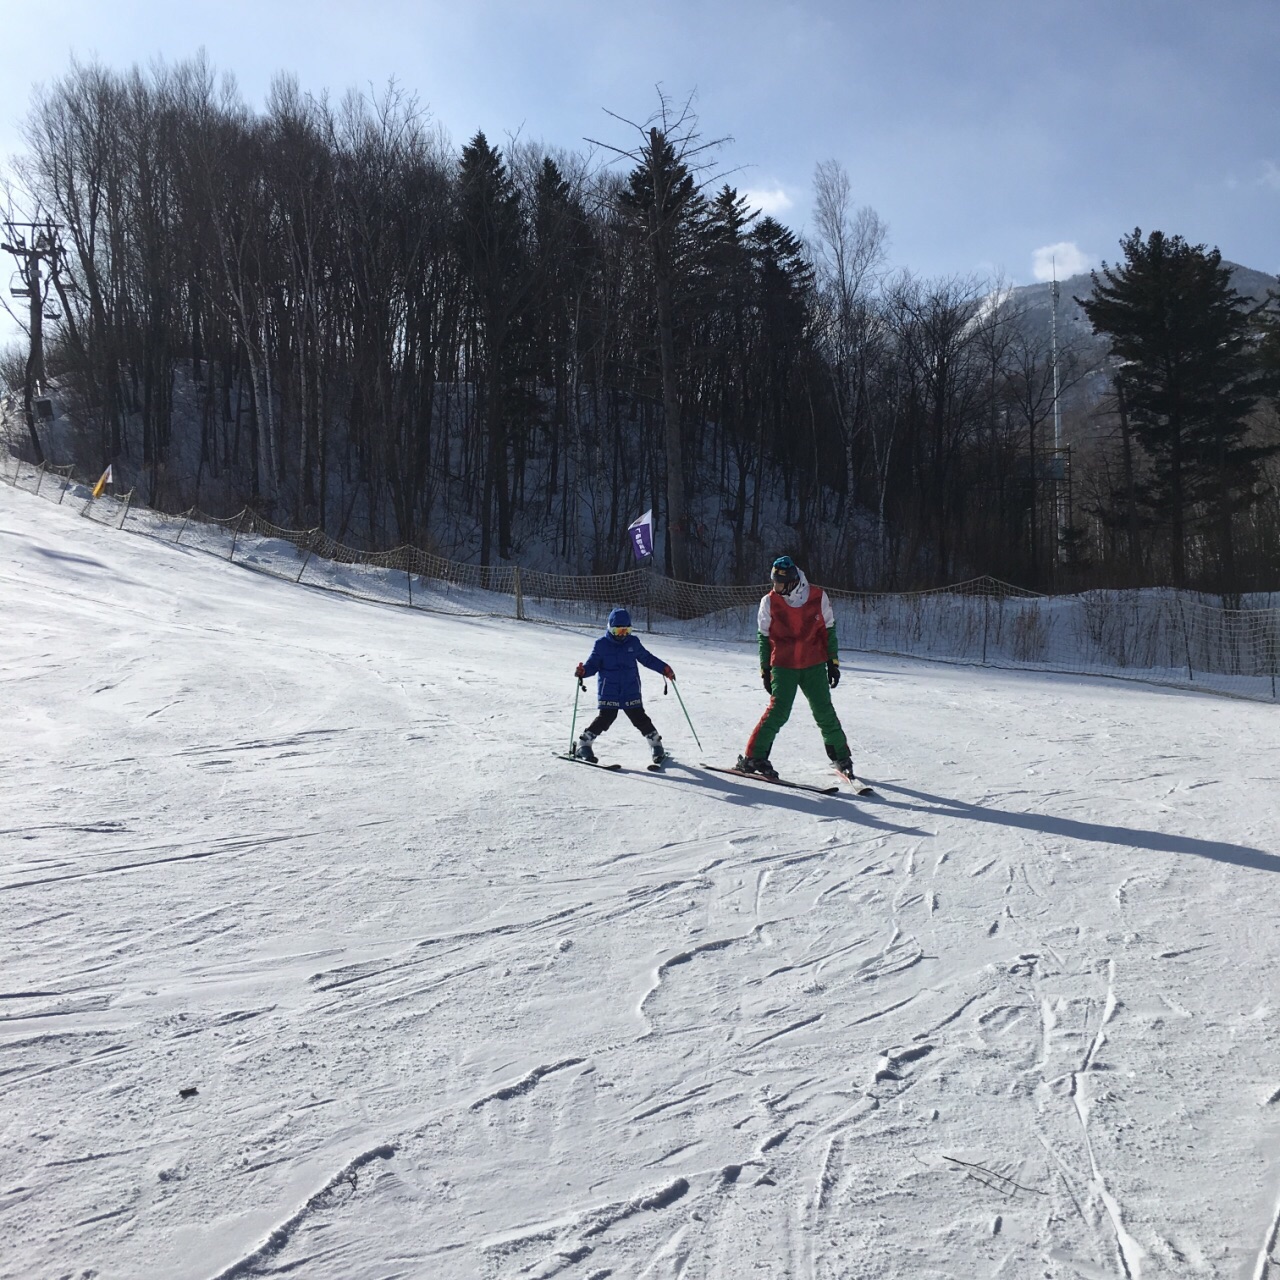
<point>316,961</point>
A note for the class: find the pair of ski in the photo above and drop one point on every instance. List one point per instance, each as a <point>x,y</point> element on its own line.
<point>860,788</point>
<point>609,768</point>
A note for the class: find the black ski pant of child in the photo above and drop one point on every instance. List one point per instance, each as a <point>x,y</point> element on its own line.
<point>637,715</point>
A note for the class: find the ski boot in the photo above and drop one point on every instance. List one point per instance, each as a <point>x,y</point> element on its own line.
<point>758,765</point>
<point>655,746</point>
<point>583,748</point>
<point>843,763</point>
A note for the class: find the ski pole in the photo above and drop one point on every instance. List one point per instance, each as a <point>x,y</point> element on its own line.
<point>573,728</point>
<point>683,708</point>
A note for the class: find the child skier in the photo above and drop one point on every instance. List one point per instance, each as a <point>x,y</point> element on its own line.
<point>798,650</point>
<point>614,658</point>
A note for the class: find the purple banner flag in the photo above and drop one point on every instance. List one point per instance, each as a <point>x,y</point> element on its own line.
<point>641,532</point>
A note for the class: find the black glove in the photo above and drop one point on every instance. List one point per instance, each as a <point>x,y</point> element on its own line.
<point>833,671</point>
<point>766,678</point>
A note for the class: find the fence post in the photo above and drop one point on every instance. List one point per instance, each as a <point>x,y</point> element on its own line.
<point>1273,645</point>
<point>39,478</point>
<point>183,530</point>
<point>311,546</point>
<point>986,625</point>
<point>1186,640</point>
<point>128,499</point>
<point>235,537</point>
<point>408,574</point>
<point>515,572</point>
<point>66,484</point>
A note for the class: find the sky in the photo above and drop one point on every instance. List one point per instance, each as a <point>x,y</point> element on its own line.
<point>994,137</point>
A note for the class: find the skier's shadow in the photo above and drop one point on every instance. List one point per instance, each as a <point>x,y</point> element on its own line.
<point>750,794</point>
<point>922,802</point>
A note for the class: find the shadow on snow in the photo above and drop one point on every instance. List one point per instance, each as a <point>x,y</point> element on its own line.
<point>1135,837</point>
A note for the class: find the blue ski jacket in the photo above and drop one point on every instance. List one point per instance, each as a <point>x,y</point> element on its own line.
<point>614,662</point>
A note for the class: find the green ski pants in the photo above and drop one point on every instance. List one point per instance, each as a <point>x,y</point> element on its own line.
<point>812,681</point>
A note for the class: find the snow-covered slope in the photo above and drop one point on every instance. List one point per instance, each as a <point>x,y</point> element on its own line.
<point>452,1008</point>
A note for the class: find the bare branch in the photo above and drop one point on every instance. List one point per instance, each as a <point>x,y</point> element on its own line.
<point>1001,1181</point>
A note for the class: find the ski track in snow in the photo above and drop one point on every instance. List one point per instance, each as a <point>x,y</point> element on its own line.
<point>316,962</point>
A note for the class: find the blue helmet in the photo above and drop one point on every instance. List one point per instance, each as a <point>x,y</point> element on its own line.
<point>784,575</point>
<point>619,618</point>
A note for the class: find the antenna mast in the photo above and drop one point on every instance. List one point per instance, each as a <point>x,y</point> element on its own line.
<point>1057,420</point>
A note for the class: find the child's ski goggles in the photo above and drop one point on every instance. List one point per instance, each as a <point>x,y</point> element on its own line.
<point>620,631</point>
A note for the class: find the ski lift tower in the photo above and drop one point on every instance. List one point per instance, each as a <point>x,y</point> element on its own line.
<point>32,243</point>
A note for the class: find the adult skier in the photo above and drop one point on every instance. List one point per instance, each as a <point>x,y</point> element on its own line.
<point>614,662</point>
<point>798,650</point>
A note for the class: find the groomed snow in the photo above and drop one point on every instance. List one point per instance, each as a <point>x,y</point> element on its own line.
<point>454,1008</point>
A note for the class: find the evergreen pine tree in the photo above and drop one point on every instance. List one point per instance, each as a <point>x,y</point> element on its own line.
<point>665,207</point>
<point>1182,335</point>
<point>490,237</point>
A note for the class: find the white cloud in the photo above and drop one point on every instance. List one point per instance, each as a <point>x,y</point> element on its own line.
<point>772,202</point>
<point>1066,258</point>
<point>1270,175</point>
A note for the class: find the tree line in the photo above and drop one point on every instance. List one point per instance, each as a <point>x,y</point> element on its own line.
<point>324,310</point>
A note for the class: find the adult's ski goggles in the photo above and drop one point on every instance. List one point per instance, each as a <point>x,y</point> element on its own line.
<point>619,631</point>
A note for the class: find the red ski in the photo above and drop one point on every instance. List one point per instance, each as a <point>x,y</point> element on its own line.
<point>774,782</point>
<point>860,788</point>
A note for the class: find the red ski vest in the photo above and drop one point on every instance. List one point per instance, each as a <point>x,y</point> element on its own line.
<point>798,636</point>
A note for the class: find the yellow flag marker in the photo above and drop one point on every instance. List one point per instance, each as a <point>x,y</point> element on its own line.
<point>102,483</point>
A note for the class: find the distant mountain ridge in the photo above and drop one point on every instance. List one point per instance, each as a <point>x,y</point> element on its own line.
<point>1073,324</point>
<point>1075,333</point>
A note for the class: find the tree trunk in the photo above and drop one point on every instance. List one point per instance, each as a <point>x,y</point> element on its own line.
<point>1131,497</point>
<point>677,511</point>
<point>1177,514</point>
